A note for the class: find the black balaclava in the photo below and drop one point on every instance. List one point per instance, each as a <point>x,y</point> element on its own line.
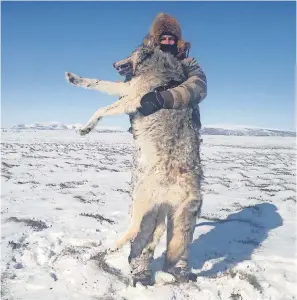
<point>167,47</point>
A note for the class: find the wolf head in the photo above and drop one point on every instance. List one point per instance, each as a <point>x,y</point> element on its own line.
<point>136,58</point>
<point>151,61</point>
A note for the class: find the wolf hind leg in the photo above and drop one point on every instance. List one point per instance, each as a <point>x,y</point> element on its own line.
<point>158,232</point>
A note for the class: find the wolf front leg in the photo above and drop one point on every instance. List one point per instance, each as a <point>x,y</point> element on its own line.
<point>123,106</point>
<point>109,87</point>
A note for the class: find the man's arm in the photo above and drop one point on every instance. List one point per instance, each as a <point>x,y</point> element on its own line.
<point>188,94</point>
<point>191,92</point>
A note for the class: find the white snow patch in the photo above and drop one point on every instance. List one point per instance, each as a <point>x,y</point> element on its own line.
<point>65,199</point>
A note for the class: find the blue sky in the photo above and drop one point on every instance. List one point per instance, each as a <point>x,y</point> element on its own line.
<point>247,50</point>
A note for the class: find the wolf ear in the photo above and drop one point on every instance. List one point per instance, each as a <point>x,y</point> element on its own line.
<point>180,44</point>
<point>148,41</point>
<point>187,46</point>
<point>139,55</point>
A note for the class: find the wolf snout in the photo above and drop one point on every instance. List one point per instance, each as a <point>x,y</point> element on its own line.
<point>123,69</point>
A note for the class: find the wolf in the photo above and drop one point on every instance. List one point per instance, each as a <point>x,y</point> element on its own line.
<point>167,176</point>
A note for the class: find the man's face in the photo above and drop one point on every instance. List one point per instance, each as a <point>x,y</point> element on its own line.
<point>167,39</point>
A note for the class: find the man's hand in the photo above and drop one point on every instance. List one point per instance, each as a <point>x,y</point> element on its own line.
<point>151,103</point>
<point>154,101</point>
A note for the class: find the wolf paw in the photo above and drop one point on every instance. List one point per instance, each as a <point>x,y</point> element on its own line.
<point>141,279</point>
<point>84,130</point>
<point>87,128</point>
<point>72,78</point>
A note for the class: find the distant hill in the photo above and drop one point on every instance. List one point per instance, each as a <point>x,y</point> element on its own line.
<point>232,130</point>
<point>241,130</point>
<point>61,126</point>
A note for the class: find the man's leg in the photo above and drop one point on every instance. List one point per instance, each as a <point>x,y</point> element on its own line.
<point>142,249</point>
<point>180,230</point>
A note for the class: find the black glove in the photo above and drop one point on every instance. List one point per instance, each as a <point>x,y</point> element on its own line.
<point>154,101</point>
<point>151,103</point>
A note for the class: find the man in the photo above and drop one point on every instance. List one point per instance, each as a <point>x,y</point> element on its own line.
<point>165,33</point>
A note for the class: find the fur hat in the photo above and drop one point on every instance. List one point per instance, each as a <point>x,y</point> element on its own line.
<point>165,24</point>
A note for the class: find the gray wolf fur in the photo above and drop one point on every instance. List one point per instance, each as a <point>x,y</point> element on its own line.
<point>167,176</point>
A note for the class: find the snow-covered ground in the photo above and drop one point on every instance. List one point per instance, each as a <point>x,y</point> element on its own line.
<point>65,199</point>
